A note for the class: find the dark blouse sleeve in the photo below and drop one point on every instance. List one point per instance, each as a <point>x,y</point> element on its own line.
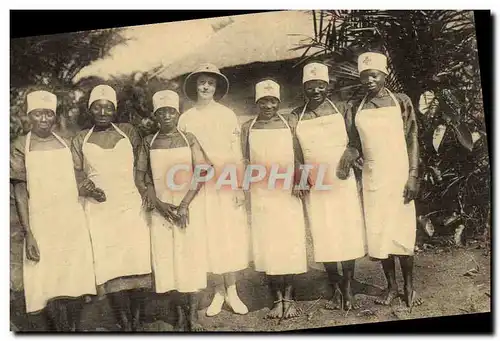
<point>292,122</point>
<point>134,137</point>
<point>142,163</point>
<point>349,111</point>
<point>143,160</point>
<point>198,154</point>
<point>17,159</point>
<point>297,148</point>
<point>296,112</point>
<point>245,130</point>
<point>411,131</point>
<point>76,149</point>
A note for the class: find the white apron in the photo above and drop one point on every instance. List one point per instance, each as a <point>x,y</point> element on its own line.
<point>120,235</point>
<point>227,233</point>
<point>57,220</point>
<point>278,226</point>
<point>178,255</point>
<point>390,224</point>
<point>335,215</point>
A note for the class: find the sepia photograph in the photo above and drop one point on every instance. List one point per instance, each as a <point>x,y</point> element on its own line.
<point>263,172</point>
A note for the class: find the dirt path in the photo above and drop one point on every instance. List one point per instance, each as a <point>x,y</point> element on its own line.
<point>439,277</point>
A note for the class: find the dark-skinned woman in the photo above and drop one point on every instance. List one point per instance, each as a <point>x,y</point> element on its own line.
<point>384,130</point>
<point>58,267</point>
<point>277,219</point>
<point>178,246</point>
<point>105,158</point>
<point>335,215</point>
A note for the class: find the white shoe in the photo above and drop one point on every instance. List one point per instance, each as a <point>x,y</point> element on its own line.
<point>235,302</point>
<point>216,306</point>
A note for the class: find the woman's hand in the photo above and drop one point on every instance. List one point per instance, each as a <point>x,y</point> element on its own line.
<point>183,216</point>
<point>32,250</point>
<point>166,210</point>
<point>411,189</point>
<point>358,163</point>
<point>87,185</point>
<point>300,192</point>
<point>148,199</point>
<point>239,197</point>
<point>98,194</point>
<point>86,188</point>
<point>348,160</point>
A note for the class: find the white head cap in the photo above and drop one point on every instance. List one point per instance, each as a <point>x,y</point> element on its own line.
<point>103,92</point>
<point>41,100</point>
<point>315,71</point>
<point>165,98</point>
<point>372,61</point>
<point>267,88</point>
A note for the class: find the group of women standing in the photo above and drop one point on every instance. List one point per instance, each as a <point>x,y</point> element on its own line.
<point>101,219</point>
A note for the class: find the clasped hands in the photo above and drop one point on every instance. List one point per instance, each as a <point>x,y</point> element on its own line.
<point>178,215</point>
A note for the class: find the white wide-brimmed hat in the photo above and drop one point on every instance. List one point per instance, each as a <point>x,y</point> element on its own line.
<point>103,92</point>
<point>267,88</point>
<point>165,98</point>
<point>190,83</point>
<point>41,100</point>
<point>372,61</point>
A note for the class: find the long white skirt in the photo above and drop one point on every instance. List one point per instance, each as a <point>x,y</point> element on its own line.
<point>179,255</point>
<point>278,232</point>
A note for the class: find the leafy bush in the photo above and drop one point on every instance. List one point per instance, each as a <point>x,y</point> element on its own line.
<point>433,59</point>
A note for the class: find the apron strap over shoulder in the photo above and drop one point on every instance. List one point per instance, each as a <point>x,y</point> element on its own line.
<point>154,138</point>
<point>184,137</point>
<point>85,139</point>
<point>27,145</point>
<point>305,106</point>
<point>60,139</point>
<point>28,142</point>
<point>396,102</point>
<point>119,131</point>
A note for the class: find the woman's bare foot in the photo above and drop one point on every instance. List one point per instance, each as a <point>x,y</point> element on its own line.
<point>276,311</point>
<point>336,302</point>
<point>125,324</point>
<point>290,310</point>
<point>387,297</point>
<point>181,325</point>
<point>136,322</point>
<point>350,302</point>
<point>194,326</point>
<point>411,298</point>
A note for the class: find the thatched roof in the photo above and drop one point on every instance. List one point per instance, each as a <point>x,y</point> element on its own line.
<point>263,37</point>
<point>150,46</point>
<point>172,49</point>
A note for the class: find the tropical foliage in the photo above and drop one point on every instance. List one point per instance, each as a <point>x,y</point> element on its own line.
<point>51,62</point>
<point>433,59</point>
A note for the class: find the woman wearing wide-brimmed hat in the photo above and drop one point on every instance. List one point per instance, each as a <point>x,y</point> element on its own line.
<point>216,128</point>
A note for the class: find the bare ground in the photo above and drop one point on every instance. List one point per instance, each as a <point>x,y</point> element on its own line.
<point>439,278</point>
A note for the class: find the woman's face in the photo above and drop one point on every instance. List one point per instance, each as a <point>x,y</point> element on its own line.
<point>42,120</point>
<point>268,106</point>
<point>372,80</point>
<point>166,117</point>
<point>205,86</point>
<point>315,90</point>
<point>103,112</point>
